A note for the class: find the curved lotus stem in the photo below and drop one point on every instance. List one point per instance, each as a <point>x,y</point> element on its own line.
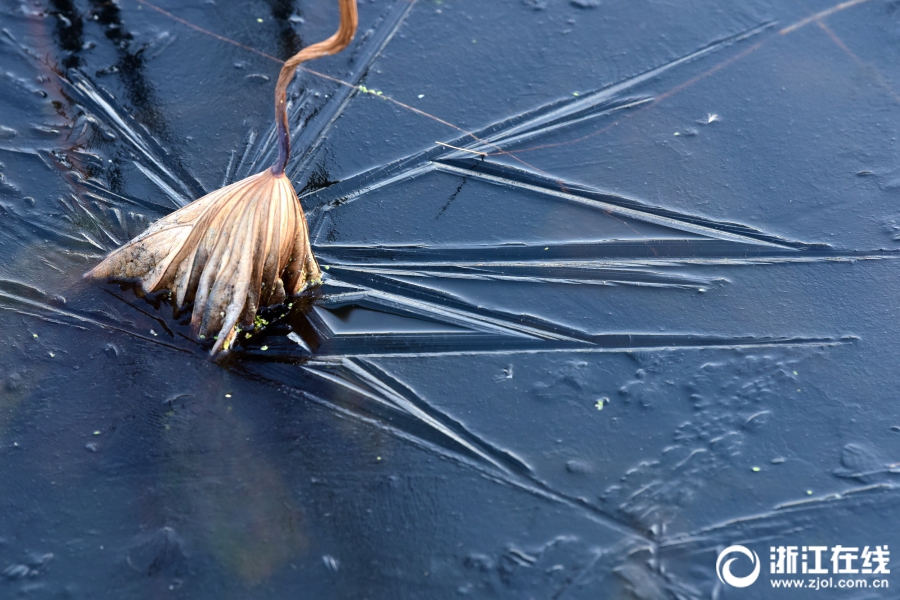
<point>333,45</point>
<point>239,248</point>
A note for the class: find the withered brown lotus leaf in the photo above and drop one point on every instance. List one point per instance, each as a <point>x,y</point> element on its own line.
<point>239,248</point>
<point>232,251</point>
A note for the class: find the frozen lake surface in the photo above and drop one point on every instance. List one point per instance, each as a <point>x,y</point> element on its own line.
<point>610,287</point>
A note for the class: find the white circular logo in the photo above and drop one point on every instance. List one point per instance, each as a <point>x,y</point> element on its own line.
<point>723,566</point>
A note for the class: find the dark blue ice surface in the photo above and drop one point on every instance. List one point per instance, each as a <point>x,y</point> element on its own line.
<point>610,286</point>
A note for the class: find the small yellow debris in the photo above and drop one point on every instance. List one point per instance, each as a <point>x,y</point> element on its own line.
<point>809,492</point>
<point>575,94</point>
<point>366,90</point>
<point>228,395</point>
<point>377,458</point>
<point>259,20</point>
<point>756,469</point>
<point>34,335</point>
<point>52,354</point>
<point>263,348</point>
<point>97,432</point>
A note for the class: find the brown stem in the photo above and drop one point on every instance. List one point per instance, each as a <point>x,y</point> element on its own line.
<point>332,45</point>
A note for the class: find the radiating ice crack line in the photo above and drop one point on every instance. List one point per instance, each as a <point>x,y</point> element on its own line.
<point>485,321</point>
<point>575,109</point>
<point>530,123</point>
<point>309,134</point>
<point>166,179</point>
<point>617,209</point>
<point>10,300</point>
<point>401,398</point>
<point>774,522</point>
<point>493,463</point>
<point>364,54</point>
<point>577,275</point>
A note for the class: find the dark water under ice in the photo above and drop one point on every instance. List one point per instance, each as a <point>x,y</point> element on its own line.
<point>611,286</point>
